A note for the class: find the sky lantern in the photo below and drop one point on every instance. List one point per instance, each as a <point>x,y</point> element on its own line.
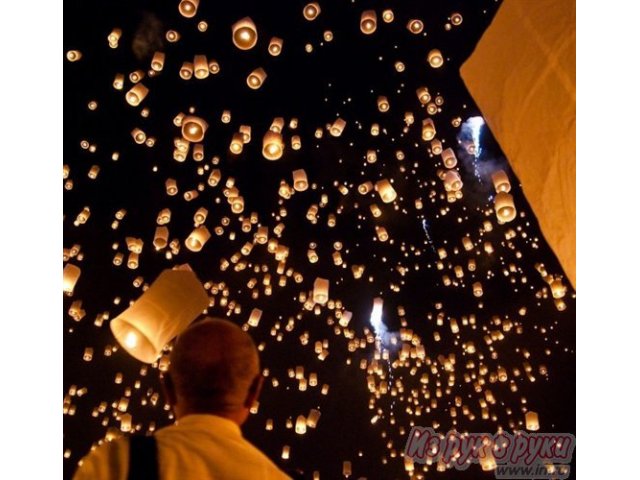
<point>194,128</point>
<point>337,127</point>
<point>368,22</point>
<point>321,291</point>
<point>198,237</point>
<point>504,207</point>
<point>428,129</point>
<point>188,8</point>
<point>244,34</point>
<point>70,276</point>
<point>200,67</point>
<point>136,94</point>
<point>501,181</point>
<point>256,78</point>
<point>386,191</point>
<point>300,182</point>
<point>311,11</point>
<point>531,421</point>
<point>449,158</point>
<point>157,62</point>
<point>272,145</point>
<point>275,46</point>
<point>415,26</point>
<point>168,306</point>
<point>435,58</point>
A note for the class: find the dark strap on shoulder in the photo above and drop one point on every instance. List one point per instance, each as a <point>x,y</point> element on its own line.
<point>143,458</point>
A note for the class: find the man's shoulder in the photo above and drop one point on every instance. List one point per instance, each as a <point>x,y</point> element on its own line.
<point>108,461</point>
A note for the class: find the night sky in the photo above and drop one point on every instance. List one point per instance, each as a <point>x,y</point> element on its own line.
<point>515,324</point>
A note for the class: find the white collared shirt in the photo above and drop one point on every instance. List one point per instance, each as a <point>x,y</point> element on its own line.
<point>197,447</point>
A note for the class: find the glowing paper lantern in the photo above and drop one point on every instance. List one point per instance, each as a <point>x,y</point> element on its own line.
<point>200,67</point>
<point>423,95</point>
<point>237,144</point>
<point>168,306</point>
<point>194,128</point>
<point>504,207</point>
<point>368,22</point>
<point>301,425</point>
<point>172,36</point>
<point>531,421</point>
<point>311,11</point>
<point>388,16</point>
<point>435,58</point>
<point>157,62</point>
<point>70,276</point>
<point>275,46</point>
<point>415,26</point>
<point>337,127</point>
<point>198,237</point>
<point>449,158</point>
<point>386,191</point>
<point>256,78</point>
<point>428,129</point>
<point>501,181</point>
<point>321,291</point>
<point>272,145</point>
<point>314,415</point>
<point>74,55</point>
<point>137,93</point>
<point>452,181</point>
<point>188,8</point>
<point>254,318</point>
<point>300,182</point>
<point>244,34</point>
<point>161,238</point>
<point>383,104</point>
<point>365,188</point>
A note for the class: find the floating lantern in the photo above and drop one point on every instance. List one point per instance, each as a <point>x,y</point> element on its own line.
<point>368,22</point>
<point>137,93</point>
<point>74,55</point>
<point>531,421</point>
<point>198,237</point>
<point>452,181</point>
<point>477,289</point>
<point>501,181</point>
<point>244,34</point>
<point>157,62</point>
<point>254,318</point>
<point>311,11</point>
<point>70,276</point>
<point>237,144</point>
<point>383,104</point>
<point>275,46</point>
<point>386,191</point>
<point>436,146</point>
<point>435,58</point>
<point>456,19</point>
<point>428,129</point>
<point>301,425</point>
<point>186,71</point>
<point>188,8</point>
<point>321,291</point>
<point>387,16</point>
<point>381,233</point>
<point>337,127</point>
<point>136,76</point>
<point>423,95</point>
<point>415,26</point>
<point>194,128</point>
<point>200,67</point>
<point>449,158</point>
<point>172,36</point>
<point>200,216</point>
<point>365,188</point>
<point>300,182</point>
<point>168,306</point>
<point>504,207</point>
<point>161,238</point>
<point>256,78</point>
<point>272,145</point>
<point>296,143</point>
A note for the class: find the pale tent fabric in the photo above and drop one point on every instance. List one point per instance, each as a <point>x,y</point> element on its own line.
<point>522,77</point>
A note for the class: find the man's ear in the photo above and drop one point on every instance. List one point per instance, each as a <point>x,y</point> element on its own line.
<point>254,391</point>
<point>169,388</point>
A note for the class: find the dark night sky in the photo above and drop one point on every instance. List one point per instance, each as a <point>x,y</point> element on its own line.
<point>343,77</point>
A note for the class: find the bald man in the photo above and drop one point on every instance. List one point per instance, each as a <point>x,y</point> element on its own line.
<point>213,379</point>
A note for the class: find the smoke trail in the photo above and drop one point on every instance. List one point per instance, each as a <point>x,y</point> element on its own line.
<point>148,38</point>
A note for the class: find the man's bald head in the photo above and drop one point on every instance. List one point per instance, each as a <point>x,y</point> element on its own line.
<point>214,364</point>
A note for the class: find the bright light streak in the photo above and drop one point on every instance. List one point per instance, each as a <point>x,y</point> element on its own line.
<point>376,317</point>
